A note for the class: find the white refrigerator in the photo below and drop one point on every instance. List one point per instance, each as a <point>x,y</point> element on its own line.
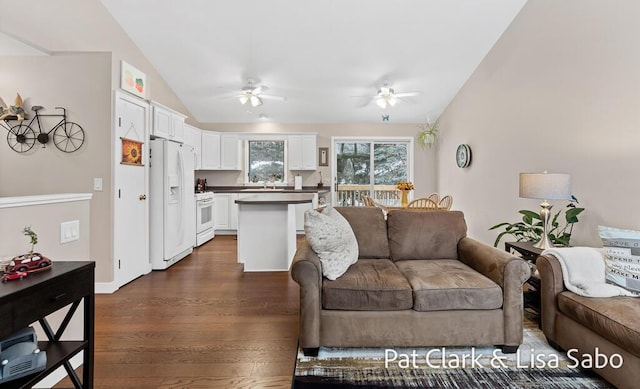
<point>172,202</point>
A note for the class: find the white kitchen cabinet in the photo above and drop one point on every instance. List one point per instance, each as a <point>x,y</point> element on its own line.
<point>220,151</point>
<point>226,211</point>
<point>302,152</point>
<point>221,210</point>
<point>193,137</point>
<point>230,152</point>
<point>210,150</point>
<point>167,123</point>
<point>233,212</point>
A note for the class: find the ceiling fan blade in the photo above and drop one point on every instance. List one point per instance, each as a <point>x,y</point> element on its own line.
<point>258,89</point>
<point>271,97</point>
<point>408,94</point>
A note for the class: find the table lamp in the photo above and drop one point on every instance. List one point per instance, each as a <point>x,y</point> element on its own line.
<point>545,186</point>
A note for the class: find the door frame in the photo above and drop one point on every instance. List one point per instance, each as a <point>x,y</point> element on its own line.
<point>367,139</point>
<point>120,95</point>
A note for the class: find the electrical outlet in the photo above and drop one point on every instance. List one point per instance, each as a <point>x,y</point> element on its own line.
<point>69,231</point>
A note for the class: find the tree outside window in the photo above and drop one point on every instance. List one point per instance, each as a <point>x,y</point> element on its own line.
<point>266,160</point>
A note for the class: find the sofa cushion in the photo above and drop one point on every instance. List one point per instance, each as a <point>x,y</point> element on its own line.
<point>369,285</point>
<point>370,228</point>
<point>614,318</point>
<point>449,284</point>
<point>425,234</point>
<point>331,237</point>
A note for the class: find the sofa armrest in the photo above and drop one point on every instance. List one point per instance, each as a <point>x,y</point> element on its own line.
<point>503,268</point>
<point>551,285</point>
<point>306,270</point>
<point>506,270</point>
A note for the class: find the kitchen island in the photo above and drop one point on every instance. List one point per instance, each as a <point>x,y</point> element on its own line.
<point>267,230</point>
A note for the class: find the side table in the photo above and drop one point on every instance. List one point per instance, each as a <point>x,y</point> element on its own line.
<point>532,292</point>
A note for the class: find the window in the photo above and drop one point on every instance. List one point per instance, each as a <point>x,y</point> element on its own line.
<point>266,160</point>
<point>370,167</point>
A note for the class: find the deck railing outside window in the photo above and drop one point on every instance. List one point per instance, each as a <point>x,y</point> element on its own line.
<point>350,195</point>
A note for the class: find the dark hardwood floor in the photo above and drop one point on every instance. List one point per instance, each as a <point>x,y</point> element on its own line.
<point>203,323</point>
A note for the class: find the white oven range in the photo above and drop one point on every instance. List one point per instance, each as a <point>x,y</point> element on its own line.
<point>204,217</point>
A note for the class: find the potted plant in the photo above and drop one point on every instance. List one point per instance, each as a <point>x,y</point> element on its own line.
<point>531,228</point>
<point>32,261</point>
<point>428,135</point>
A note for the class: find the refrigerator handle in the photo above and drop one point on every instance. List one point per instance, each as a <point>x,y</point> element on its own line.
<point>182,193</point>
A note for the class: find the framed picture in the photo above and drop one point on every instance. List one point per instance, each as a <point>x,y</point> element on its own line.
<point>131,152</point>
<point>133,80</point>
<point>323,156</point>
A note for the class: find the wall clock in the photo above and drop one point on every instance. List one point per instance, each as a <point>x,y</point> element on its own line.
<point>463,155</point>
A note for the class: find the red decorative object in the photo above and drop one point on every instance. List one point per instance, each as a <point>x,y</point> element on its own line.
<point>16,275</point>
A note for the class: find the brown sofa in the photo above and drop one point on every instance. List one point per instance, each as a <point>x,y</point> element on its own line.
<point>582,324</point>
<point>419,281</point>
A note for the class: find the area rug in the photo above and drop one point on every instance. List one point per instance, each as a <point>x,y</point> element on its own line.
<point>535,365</point>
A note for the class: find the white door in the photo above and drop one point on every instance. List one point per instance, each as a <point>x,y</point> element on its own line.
<point>131,211</point>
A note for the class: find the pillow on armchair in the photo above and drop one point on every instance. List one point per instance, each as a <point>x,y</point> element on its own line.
<point>622,257</point>
<point>331,237</point>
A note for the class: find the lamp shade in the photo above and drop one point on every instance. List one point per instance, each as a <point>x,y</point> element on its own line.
<point>547,186</point>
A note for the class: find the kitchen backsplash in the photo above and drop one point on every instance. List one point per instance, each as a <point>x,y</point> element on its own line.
<point>224,177</point>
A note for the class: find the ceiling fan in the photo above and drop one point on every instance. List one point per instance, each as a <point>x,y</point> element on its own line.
<point>254,94</point>
<point>387,97</point>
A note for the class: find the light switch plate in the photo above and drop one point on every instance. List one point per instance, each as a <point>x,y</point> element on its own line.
<point>69,231</point>
<point>97,184</point>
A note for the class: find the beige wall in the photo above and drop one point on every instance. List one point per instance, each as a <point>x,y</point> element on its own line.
<point>80,83</point>
<point>79,26</point>
<point>424,165</point>
<point>45,220</point>
<point>558,92</point>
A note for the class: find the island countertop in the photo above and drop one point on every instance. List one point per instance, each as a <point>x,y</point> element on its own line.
<point>277,198</point>
<point>260,189</point>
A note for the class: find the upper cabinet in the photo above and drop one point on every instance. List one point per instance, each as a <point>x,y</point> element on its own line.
<point>193,137</point>
<point>220,151</point>
<point>302,152</point>
<point>230,152</point>
<point>167,123</point>
<point>210,150</point>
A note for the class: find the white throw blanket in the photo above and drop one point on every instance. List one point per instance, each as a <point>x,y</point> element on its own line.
<point>583,272</point>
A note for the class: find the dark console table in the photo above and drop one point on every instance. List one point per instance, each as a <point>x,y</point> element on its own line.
<point>529,254</point>
<point>23,302</point>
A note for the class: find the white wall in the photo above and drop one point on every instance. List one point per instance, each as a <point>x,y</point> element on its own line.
<point>558,92</point>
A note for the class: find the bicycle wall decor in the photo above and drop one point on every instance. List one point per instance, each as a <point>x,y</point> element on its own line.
<point>67,136</point>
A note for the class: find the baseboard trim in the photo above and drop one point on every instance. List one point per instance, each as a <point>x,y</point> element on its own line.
<point>106,287</point>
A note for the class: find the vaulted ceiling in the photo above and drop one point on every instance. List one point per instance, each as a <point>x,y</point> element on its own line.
<point>328,58</point>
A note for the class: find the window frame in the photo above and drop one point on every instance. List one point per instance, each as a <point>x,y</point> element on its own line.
<point>247,173</point>
<point>372,140</point>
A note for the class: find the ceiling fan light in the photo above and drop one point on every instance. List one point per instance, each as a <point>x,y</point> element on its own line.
<point>243,99</point>
<point>392,100</point>
<point>382,102</point>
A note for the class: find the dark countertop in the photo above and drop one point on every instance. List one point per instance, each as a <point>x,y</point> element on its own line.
<point>259,189</point>
<point>277,198</point>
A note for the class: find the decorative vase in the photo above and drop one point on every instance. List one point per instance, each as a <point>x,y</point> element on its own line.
<point>405,200</point>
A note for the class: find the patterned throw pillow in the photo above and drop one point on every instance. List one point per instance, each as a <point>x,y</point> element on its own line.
<point>622,257</point>
<point>332,238</point>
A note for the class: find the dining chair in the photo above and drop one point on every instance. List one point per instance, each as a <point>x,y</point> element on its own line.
<point>435,197</point>
<point>367,201</point>
<point>445,203</point>
<point>423,203</point>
